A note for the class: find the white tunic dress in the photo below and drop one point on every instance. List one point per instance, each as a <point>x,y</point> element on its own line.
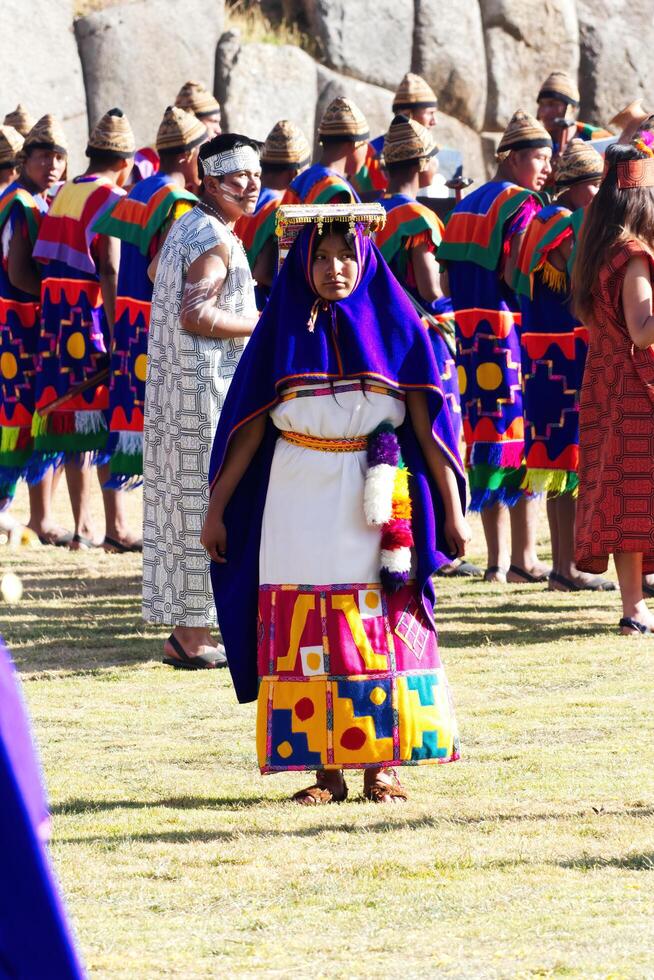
<point>188,378</point>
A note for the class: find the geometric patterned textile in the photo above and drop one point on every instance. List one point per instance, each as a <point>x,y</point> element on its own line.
<point>137,220</point>
<point>554,346</point>
<point>372,176</point>
<point>408,225</point>
<point>616,430</point>
<point>477,236</point>
<point>187,380</point>
<point>350,677</point>
<point>20,214</point>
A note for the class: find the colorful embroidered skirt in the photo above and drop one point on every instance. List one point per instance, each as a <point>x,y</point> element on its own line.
<point>350,678</point>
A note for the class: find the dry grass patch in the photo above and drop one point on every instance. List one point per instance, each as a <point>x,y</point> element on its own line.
<point>532,857</point>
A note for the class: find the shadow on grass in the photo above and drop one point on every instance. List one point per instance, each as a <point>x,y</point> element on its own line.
<point>627,862</point>
<point>74,807</point>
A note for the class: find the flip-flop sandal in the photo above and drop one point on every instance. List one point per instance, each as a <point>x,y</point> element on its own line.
<point>636,628</point>
<point>527,576</point>
<point>464,569</point>
<point>203,661</point>
<point>86,543</point>
<point>319,795</point>
<point>595,584</point>
<point>494,570</point>
<point>379,789</point>
<point>61,542</point>
<point>116,547</point>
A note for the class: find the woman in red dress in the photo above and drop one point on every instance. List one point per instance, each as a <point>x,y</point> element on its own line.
<point>612,289</point>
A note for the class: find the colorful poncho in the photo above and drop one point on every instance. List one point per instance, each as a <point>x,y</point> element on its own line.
<point>374,333</point>
<point>138,221</point>
<point>554,346</point>
<point>477,236</point>
<point>255,231</point>
<point>73,345</point>
<point>371,178</point>
<point>20,214</point>
<point>320,185</point>
<point>408,225</point>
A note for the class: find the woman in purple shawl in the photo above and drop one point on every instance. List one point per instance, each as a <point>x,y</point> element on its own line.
<point>336,492</point>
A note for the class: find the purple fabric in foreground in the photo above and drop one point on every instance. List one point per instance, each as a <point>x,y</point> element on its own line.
<point>373,333</point>
<point>35,942</point>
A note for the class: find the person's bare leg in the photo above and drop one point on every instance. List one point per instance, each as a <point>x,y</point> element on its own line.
<point>194,640</point>
<point>79,478</point>
<point>495,522</point>
<point>629,566</point>
<point>383,785</point>
<point>115,511</point>
<point>41,520</point>
<point>330,787</point>
<point>553,521</point>
<point>524,517</point>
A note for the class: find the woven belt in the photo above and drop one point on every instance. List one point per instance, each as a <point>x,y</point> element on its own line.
<point>326,445</point>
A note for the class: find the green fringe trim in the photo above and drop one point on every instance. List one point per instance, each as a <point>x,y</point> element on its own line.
<point>483,476</point>
<point>9,438</point>
<point>70,442</point>
<point>127,463</point>
<point>15,459</point>
<point>553,482</point>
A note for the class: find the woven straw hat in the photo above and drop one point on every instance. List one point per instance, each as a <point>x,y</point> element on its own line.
<point>523,132</point>
<point>407,140</point>
<point>194,97</point>
<point>179,131</point>
<point>558,85</point>
<point>414,93</point>
<point>20,119</point>
<point>579,161</point>
<point>46,134</point>
<point>286,146</point>
<point>112,135</point>
<point>343,120</point>
<point>11,143</point>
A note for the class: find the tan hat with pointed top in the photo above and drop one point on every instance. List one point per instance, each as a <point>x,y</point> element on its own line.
<point>20,119</point>
<point>524,132</point>
<point>343,120</point>
<point>559,85</point>
<point>579,161</point>
<point>179,131</point>
<point>11,143</point>
<point>408,140</point>
<point>46,134</point>
<point>113,135</point>
<point>414,93</point>
<point>286,146</point>
<point>195,98</point>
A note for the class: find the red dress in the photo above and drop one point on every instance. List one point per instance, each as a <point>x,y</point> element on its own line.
<point>615,511</point>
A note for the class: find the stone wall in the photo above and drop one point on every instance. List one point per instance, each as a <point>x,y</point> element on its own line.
<point>485,58</point>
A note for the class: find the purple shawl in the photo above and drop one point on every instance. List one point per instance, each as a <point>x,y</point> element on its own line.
<point>373,333</point>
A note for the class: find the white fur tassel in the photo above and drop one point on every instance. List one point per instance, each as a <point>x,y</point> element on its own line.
<point>378,494</point>
<point>397,560</point>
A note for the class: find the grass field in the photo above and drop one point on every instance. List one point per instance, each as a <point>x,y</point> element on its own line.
<point>532,857</point>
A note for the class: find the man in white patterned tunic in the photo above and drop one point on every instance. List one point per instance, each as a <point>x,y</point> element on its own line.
<point>203,310</point>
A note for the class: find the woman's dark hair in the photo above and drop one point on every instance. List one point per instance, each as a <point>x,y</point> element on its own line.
<point>614,215</point>
<point>336,228</point>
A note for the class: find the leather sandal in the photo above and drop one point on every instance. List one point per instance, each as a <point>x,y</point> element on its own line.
<point>323,791</point>
<point>632,627</point>
<point>384,790</point>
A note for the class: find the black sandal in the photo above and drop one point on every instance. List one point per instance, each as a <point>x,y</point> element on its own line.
<point>116,547</point>
<point>202,661</point>
<point>595,584</point>
<point>527,577</point>
<point>636,628</point>
<point>493,570</point>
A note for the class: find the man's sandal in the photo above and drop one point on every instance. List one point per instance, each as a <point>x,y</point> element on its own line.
<point>323,791</point>
<point>384,788</point>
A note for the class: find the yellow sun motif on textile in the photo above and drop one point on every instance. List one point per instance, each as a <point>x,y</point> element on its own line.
<point>76,346</point>
<point>489,376</point>
<point>463,379</point>
<point>8,365</point>
<point>141,366</point>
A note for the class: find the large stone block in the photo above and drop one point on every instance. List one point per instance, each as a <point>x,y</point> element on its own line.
<point>448,51</point>
<point>370,39</point>
<point>525,40</point>
<point>138,55</point>
<point>40,67</point>
<point>455,135</point>
<point>616,56</point>
<point>257,84</point>
<point>375,102</point>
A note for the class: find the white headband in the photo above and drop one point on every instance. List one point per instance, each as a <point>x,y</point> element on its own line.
<point>231,161</point>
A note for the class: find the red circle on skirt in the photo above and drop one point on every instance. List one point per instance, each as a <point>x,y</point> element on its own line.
<point>304,709</point>
<point>353,738</point>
